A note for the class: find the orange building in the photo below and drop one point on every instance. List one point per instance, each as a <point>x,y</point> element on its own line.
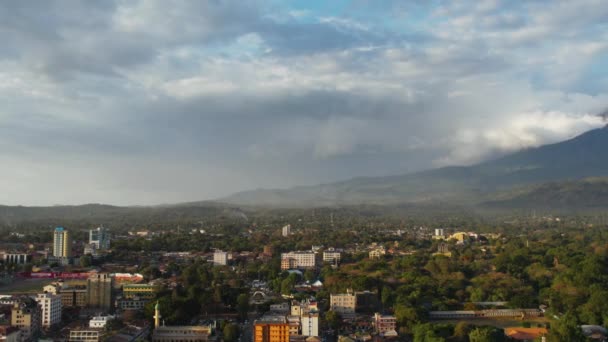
<point>273,328</point>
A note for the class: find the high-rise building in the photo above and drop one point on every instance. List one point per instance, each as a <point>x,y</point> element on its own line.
<point>50,304</point>
<point>25,315</point>
<point>286,231</point>
<point>62,243</point>
<point>99,291</point>
<point>99,237</point>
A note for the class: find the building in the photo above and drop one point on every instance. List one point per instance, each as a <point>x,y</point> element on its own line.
<point>9,334</point>
<point>62,243</point>
<point>384,323</point>
<point>332,257</point>
<point>17,258</point>
<point>286,230</point>
<point>273,328</point>
<point>298,259</point>
<point>99,237</point>
<point>220,257</point>
<point>50,305</point>
<point>377,253</point>
<point>25,315</point>
<point>343,303</point>
<point>308,314</point>
<point>100,321</point>
<point>439,232</point>
<point>525,334</point>
<point>196,333</point>
<point>310,323</point>
<point>85,335</point>
<point>99,291</point>
<point>131,304</point>
<point>73,294</point>
<point>141,291</point>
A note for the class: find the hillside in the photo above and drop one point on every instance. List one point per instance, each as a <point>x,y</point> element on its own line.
<point>578,158</point>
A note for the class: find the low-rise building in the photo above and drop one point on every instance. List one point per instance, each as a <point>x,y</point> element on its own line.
<point>344,303</point>
<point>85,335</point>
<point>220,258</point>
<point>298,259</point>
<point>385,323</point>
<point>332,257</point>
<point>141,291</point>
<point>9,333</point>
<point>100,321</point>
<point>273,328</point>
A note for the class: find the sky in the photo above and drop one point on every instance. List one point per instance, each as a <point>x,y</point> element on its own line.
<point>159,101</point>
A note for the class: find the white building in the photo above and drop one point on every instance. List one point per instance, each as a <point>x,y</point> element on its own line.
<point>50,305</point>
<point>286,231</point>
<point>16,258</point>
<point>343,303</point>
<point>310,324</point>
<point>220,257</point>
<point>332,257</point>
<point>100,321</point>
<point>99,237</point>
<point>298,259</point>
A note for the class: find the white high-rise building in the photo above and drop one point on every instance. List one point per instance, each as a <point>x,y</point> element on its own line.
<point>220,257</point>
<point>286,231</point>
<point>310,324</point>
<point>62,243</point>
<point>50,305</point>
<point>99,237</point>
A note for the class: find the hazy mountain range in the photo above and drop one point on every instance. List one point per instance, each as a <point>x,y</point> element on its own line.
<point>516,178</point>
<point>569,175</point>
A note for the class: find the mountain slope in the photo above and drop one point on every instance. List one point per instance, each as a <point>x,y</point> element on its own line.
<point>577,158</point>
<point>591,193</point>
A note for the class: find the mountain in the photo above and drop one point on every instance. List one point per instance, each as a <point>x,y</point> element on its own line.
<point>591,193</point>
<point>575,159</point>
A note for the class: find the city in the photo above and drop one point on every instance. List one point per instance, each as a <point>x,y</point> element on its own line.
<point>303,171</point>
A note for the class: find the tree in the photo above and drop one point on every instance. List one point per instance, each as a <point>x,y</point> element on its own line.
<point>461,331</point>
<point>566,329</point>
<point>242,304</point>
<point>334,320</point>
<point>486,334</point>
<point>231,332</point>
<point>426,333</point>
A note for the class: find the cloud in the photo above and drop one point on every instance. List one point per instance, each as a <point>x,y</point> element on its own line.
<point>154,101</point>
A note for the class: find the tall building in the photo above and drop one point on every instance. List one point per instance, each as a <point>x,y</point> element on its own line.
<point>286,231</point>
<point>220,258</point>
<point>62,243</point>
<point>50,304</point>
<point>99,237</point>
<point>99,291</point>
<point>25,315</point>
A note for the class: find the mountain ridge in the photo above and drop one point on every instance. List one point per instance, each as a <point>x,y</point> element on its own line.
<point>577,158</point>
